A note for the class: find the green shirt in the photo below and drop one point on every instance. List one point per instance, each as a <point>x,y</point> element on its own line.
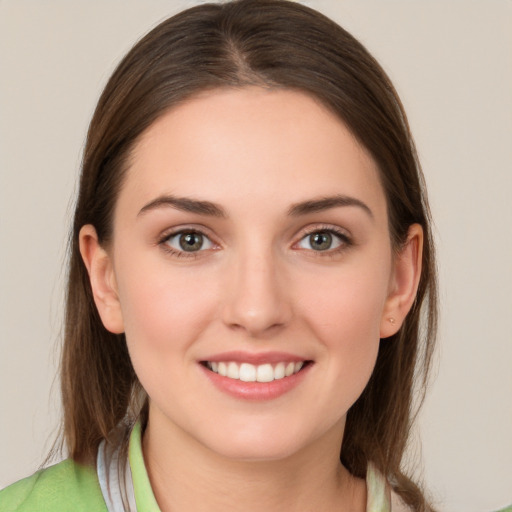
<point>69,486</point>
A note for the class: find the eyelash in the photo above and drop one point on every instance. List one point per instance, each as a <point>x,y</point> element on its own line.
<point>344,240</point>
<point>163,242</point>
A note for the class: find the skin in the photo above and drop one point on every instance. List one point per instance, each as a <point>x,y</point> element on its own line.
<point>256,285</point>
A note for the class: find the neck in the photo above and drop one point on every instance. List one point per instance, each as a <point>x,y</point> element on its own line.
<point>187,476</point>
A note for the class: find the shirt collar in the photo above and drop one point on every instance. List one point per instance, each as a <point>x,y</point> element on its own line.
<point>144,496</point>
<point>378,492</point>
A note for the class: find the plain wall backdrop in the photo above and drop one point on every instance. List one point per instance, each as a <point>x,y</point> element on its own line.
<point>451,63</point>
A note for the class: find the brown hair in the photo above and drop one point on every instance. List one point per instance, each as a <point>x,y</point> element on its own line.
<point>274,44</point>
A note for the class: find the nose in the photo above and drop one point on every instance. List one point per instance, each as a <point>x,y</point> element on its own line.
<point>256,299</point>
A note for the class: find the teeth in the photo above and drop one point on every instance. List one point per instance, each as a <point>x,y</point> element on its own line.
<point>233,372</point>
<point>247,372</point>
<point>223,369</point>
<point>279,371</point>
<point>265,373</point>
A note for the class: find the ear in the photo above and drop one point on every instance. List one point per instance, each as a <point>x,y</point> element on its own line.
<point>404,282</point>
<point>103,283</point>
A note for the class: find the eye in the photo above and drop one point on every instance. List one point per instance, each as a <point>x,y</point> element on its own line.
<point>188,241</point>
<point>322,240</point>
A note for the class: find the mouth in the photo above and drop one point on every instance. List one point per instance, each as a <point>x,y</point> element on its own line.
<point>256,376</point>
<point>247,372</point>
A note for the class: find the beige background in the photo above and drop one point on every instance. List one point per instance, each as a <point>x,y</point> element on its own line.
<point>451,62</point>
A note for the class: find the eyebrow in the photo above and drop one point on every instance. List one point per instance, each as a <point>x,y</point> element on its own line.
<point>208,208</point>
<point>326,203</point>
<point>184,204</point>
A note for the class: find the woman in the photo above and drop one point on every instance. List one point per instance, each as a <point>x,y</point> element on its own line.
<point>251,255</point>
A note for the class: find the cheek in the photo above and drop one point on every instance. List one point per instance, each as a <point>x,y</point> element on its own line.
<point>348,306</point>
<point>345,316</point>
<point>163,310</point>
<point>164,313</point>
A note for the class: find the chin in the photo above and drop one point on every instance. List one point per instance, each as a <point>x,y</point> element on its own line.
<point>260,443</point>
<point>257,451</point>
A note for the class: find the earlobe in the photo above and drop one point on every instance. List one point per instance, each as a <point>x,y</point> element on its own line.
<point>102,278</point>
<point>404,282</point>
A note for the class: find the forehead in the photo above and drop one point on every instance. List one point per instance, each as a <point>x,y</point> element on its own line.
<point>251,142</point>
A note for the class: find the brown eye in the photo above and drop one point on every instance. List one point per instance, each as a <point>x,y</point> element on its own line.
<point>323,240</point>
<point>320,241</point>
<point>189,241</point>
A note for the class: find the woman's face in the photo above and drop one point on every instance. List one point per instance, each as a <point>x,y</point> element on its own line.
<point>251,239</point>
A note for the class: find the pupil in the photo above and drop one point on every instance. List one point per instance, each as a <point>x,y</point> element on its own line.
<point>191,241</point>
<point>321,241</point>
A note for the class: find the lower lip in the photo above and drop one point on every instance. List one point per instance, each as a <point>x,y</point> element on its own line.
<point>257,391</point>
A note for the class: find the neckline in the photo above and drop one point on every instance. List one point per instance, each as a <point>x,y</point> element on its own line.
<point>139,486</point>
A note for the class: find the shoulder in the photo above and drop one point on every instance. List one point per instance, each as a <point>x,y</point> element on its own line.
<point>54,489</point>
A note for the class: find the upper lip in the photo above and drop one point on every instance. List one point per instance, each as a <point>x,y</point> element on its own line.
<point>255,358</point>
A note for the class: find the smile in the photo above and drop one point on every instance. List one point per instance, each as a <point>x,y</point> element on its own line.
<point>248,372</point>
